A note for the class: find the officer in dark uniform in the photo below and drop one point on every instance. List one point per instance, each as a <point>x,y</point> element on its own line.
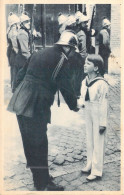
<point>48,70</point>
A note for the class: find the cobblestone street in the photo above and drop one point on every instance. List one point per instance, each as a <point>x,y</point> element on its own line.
<point>67,148</point>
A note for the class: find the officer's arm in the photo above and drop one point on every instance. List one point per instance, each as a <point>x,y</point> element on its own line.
<point>68,93</point>
<point>66,87</point>
<point>79,66</point>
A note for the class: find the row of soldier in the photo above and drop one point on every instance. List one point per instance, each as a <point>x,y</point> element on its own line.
<point>19,39</point>
<point>19,43</point>
<point>80,24</point>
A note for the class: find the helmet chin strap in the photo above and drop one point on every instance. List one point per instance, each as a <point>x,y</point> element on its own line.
<point>24,27</point>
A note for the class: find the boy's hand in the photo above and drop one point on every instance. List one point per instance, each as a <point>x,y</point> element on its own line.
<point>102,129</point>
<point>80,104</point>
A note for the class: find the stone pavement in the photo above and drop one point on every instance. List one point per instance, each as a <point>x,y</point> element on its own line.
<point>67,148</point>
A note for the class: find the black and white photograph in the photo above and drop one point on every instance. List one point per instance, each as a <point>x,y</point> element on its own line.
<point>61,119</point>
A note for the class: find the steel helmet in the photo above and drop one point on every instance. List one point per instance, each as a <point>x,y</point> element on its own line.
<point>13,19</point>
<point>68,38</point>
<point>83,18</point>
<point>106,22</point>
<point>70,20</point>
<point>78,14</point>
<point>61,19</point>
<point>24,18</point>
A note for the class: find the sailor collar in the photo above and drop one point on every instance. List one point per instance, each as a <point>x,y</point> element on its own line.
<point>90,83</point>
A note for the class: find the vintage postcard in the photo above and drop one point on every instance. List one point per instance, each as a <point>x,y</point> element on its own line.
<point>61,97</point>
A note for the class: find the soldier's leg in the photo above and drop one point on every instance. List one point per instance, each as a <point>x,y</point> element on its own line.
<point>106,64</point>
<point>105,59</point>
<point>14,74</point>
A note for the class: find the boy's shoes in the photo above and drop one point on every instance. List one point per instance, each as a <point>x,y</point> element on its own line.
<point>92,177</point>
<point>86,170</point>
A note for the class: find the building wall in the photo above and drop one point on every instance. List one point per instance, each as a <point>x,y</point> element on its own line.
<point>10,8</point>
<point>115,29</point>
<point>51,15</point>
<point>115,58</point>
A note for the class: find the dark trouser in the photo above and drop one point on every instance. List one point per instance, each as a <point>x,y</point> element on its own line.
<point>105,59</point>
<point>14,72</point>
<point>35,143</point>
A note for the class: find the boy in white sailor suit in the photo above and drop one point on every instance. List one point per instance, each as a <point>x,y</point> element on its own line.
<point>94,93</point>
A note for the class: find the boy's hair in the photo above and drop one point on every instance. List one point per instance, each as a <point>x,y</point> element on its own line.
<point>97,61</point>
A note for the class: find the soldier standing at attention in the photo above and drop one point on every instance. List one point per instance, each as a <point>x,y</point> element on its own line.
<point>23,40</point>
<point>104,42</point>
<point>12,48</point>
<point>82,26</point>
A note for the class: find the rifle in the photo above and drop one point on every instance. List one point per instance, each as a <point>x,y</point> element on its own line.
<point>21,9</point>
<point>91,23</point>
<point>90,48</point>
<point>32,26</point>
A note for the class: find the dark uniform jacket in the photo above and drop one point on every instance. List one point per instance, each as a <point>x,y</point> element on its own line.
<point>35,94</point>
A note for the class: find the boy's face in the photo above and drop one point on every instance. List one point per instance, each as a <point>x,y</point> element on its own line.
<point>89,67</point>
